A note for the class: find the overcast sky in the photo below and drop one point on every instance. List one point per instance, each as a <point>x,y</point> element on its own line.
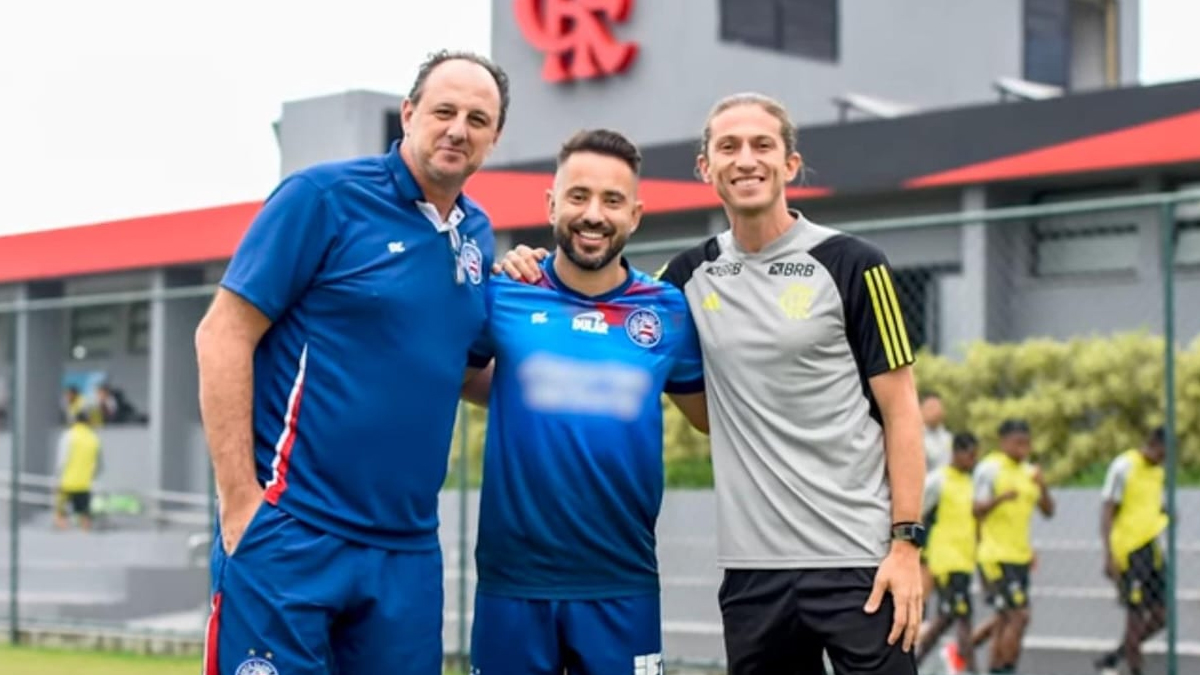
<point>118,108</point>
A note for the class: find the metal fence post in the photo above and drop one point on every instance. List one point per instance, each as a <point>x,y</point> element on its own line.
<point>16,415</point>
<point>464,417</point>
<point>1167,233</point>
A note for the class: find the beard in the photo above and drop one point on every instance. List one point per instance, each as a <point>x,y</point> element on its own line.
<point>563,236</point>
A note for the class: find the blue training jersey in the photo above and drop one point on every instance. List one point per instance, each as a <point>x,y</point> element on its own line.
<point>374,303</point>
<point>573,466</point>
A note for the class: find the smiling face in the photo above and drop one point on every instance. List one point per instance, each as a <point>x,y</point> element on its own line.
<point>593,208</point>
<point>453,125</point>
<point>747,158</point>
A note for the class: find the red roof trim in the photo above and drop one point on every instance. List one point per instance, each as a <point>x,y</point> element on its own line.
<point>1171,140</point>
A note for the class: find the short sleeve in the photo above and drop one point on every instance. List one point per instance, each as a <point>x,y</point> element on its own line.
<point>281,252</point>
<point>985,481</point>
<point>687,372</point>
<point>874,316</point>
<point>1114,481</point>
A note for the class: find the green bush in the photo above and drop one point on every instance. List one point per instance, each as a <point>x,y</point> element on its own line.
<point>1086,399</point>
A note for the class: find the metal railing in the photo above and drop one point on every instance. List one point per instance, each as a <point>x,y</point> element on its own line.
<point>26,490</point>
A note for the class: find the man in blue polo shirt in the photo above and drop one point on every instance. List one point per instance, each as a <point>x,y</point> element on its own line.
<point>568,579</point>
<point>330,367</point>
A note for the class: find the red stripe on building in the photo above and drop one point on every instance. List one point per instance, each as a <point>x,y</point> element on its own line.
<point>1171,140</point>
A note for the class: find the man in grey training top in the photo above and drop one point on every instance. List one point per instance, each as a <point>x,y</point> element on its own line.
<point>817,439</point>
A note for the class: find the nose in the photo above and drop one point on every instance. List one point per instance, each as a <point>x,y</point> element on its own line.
<point>458,129</point>
<point>593,214</point>
<point>745,158</point>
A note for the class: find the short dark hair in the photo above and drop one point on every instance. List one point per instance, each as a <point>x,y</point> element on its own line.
<point>602,142</point>
<point>964,440</point>
<point>1158,436</point>
<point>438,58</point>
<point>1013,426</point>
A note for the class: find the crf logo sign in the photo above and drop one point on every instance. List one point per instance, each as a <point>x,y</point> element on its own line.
<point>575,36</point>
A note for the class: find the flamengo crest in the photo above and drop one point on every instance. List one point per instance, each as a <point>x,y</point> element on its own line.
<point>575,36</point>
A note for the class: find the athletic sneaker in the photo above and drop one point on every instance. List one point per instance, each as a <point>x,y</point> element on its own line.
<point>954,663</point>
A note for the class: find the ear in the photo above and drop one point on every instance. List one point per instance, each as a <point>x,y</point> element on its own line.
<point>406,113</point>
<point>550,207</point>
<point>637,216</point>
<point>794,163</point>
<point>492,146</point>
<point>702,168</point>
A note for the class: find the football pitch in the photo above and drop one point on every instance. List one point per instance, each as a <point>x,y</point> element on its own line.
<point>34,661</point>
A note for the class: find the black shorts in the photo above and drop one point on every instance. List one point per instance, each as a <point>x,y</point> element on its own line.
<point>780,622</point>
<point>954,594</point>
<point>1007,585</point>
<point>1144,583</point>
<point>81,502</point>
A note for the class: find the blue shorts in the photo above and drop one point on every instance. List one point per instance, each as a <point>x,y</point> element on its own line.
<point>514,636</point>
<point>293,600</point>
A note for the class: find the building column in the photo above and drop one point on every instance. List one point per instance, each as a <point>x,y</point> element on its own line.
<point>965,310</point>
<point>177,450</point>
<point>37,388</point>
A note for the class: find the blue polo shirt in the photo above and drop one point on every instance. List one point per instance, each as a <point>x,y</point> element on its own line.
<point>573,467</point>
<point>374,305</point>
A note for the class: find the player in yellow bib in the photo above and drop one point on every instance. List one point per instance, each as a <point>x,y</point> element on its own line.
<point>1007,490</point>
<point>950,551</point>
<point>78,463</point>
<point>1131,519</point>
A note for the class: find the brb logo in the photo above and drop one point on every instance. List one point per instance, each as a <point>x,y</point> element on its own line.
<point>575,36</point>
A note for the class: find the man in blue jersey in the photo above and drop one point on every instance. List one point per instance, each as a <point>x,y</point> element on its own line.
<point>568,578</point>
<point>330,366</point>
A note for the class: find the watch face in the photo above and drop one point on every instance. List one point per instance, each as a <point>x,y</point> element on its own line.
<point>913,533</point>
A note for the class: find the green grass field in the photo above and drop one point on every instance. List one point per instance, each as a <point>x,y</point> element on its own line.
<point>33,661</point>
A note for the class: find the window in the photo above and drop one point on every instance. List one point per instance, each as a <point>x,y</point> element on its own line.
<point>93,331</point>
<point>807,28</point>
<point>1187,230</point>
<point>139,328</point>
<point>1048,41</point>
<point>1083,243</point>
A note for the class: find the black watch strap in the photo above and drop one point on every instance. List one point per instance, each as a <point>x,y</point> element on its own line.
<point>910,532</point>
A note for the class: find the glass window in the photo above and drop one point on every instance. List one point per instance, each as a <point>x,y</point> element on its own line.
<point>807,28</point>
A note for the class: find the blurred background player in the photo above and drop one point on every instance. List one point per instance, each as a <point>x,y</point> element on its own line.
<point>950,553</point>
<point>938,440</point>
<point>1007,489</point>
<point>1131,519</point>
<point>573,464</point>
<point>78,462</point>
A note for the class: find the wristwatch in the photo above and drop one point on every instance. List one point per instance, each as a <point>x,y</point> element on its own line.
<point>913,533</point>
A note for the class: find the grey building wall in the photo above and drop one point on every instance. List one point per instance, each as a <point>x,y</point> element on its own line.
<point>929,54</point>
<point>327,128</point>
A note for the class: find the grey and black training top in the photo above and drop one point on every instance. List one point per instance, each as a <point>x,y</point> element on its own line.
<point>791,335</point>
